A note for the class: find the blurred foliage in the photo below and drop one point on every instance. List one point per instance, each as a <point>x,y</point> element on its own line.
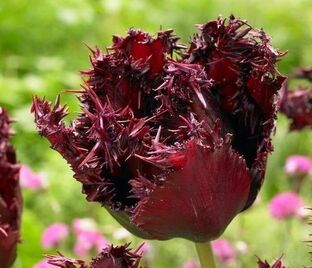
<point>42,48</point>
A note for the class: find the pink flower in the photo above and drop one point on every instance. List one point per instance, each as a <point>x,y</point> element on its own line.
<point>87,237</point>
<point>146,248</point>
<point>31,180</point>
<point>54,234</point>
<point>223,250</point>
<point>191,264</point>
<point>43,264</point>
<point>285,205</point>
<point>87,240</point>
<point>298,165</point>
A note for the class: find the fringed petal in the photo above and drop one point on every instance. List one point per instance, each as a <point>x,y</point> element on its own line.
<point>198,201</point>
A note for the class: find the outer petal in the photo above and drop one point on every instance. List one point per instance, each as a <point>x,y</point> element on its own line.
<point>198,201</point>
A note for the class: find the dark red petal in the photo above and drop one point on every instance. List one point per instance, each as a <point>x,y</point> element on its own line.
<point>144,49</point>
<point>264,90</point>
<point>198,201</point>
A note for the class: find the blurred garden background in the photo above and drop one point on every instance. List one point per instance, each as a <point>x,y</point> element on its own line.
<point>42,48</point>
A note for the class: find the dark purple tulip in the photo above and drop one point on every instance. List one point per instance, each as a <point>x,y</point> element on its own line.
<point>297,106</point>
<point>172,147</point>
<point>10,195</point>
<point>110,257</point>
<point>304,73</point>
<point>277,264</point>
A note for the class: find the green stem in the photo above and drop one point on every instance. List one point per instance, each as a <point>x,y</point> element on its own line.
<point>205,255</point>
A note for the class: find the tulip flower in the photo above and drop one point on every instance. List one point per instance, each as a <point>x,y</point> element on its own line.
<point>110,257</point>
<point>304,73</point>
<point>10,195</point>
<point>172,147</point>
<point>297,104</point>
<point>277,264</point>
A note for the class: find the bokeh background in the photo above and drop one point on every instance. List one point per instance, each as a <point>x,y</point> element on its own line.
<point>42,48</point>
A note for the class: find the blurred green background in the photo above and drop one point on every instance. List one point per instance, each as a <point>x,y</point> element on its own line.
<point>42,48</point>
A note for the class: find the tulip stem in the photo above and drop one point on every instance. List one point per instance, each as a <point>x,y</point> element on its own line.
<point>205,255</point>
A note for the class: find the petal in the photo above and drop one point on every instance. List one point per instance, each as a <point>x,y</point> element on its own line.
<point>198,201</point>
<point>147,50</point>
